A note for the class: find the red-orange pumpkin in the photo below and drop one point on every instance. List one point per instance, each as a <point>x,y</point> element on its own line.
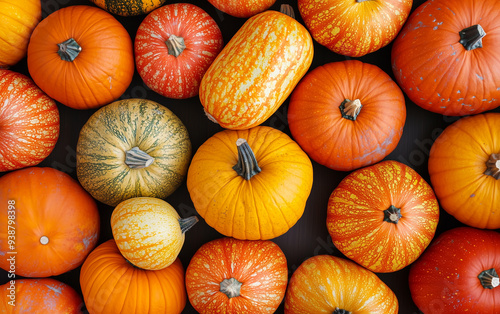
<point>355,27</point>
<point>237,276</point>
<point>29,122</point>
<point>44,295</point>
<point>242,8</point>
<point>81,56</point>
<point>346,115</point>
<point>442,61</point>
<point>383,216</point>
<point>50,222</point>
<point>111,284</point>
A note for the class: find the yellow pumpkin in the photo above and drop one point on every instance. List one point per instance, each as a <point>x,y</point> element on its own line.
<point>149,232</point>
<point>250,184</point>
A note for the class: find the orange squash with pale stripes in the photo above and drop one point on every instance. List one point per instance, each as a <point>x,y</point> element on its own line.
<point>256,71</point>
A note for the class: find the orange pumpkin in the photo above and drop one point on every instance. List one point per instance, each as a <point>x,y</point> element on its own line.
<point>464,170</point>
<point>44,295</point>
<point>81,56</point>
<point>330,284</point>
<point>354,27</point>
<point>250,184</point>
<point>347,114</point>
<point>242,8</point>
<point>111,284</point>
<point>18,19</point>
<point>237,276</point>
<point>383,216</point>
<point>56,222</point>
<point>29,122</point>
<point>256,71</point>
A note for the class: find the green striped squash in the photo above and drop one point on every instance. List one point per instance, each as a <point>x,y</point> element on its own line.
<point>132,148</point>
<point>128,7</point>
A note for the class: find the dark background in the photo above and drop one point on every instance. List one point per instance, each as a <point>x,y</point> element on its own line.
<point>309,236</point>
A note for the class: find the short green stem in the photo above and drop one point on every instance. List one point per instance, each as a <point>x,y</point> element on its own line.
<point>392,214</point>
<point>175,45</point>
<point>69,50</point>
<point>247,165</point>
<point>350,109</point>
<point>489,278</point>
<point>493,166</point>
<point>135,158</point>
<point>187,223</point>
<point>472,37</point>
<point>230,287</point>
<point>341,311</point>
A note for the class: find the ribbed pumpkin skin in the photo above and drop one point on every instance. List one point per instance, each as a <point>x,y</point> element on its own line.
<point>457,162</point>
<point>354,28</point>
<point>260,266</point>
<point>128,7</point>
<point>100,73</point>
<point>436,71</point>
<point>118,127</point>
<point>18,20</point>
<point>355,217</point>
<point>147,232</point>
<point>323,283</point>
<point>256,71</point>
<point>169,75</point>
<point>29,122</point>
<point>110,284</point>
<point>48,203</point>
<point>317,124</point>
<point>445,278</point>
<point>265,206</point>
<point>44,295</point>
<point>242,8</point>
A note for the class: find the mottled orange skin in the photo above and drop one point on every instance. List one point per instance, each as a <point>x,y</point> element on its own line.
<point>355,217</point>
<point>128,7</point>
<point>29,122</point>
<point>457,162</point>
<point>260,266</point>
<point>353,28</point>
<point>264,207</point>
<point>19,18</point>
<point>242,8</point>
<point>436,71</point>
<point>316,121</point>
<point>256,71</point>
<point>179,76</point>
<point>44,295</point>
<point>323,283</point>
<point>110,284</point>
<point>48,203</point>
<point>100,73</point>
<point>445,278</point>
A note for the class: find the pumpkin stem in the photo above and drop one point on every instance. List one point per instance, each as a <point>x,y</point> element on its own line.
<point>341,311</point>
<point>69,50</point>
<point>247,165</point>
<point>489,278</point>
<point>230,287</point>
<point>288,10</point>
<point>175,45</point>
<point>187,223</point>
<point>136,158</point>
<point>350,109</point>
<point>358,1</point>
<point>493,166</point>
<point>471,37</point>
<point>392,214</point>
<point>44,240</point>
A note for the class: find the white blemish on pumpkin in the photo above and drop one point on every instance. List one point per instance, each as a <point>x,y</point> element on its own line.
<point>110,79</point>
<point>479,77</point>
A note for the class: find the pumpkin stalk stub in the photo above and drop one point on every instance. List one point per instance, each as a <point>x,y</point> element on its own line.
<point>493,166</point>
<point>187,223</point>
<point>471,37</point>
<point>247,165</point>
<point>44,240</point>
<point>489,278</point>
<point>288,10</point>
<point>135,158</point>
<point>230,287</point>
<point>69,50</point>
<point>350,109</point>
<point>341,311</point>
<point>392,214</point>
<point>175,45</point>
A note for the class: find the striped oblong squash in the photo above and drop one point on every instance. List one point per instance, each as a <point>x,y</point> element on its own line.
<point>256,71</point>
